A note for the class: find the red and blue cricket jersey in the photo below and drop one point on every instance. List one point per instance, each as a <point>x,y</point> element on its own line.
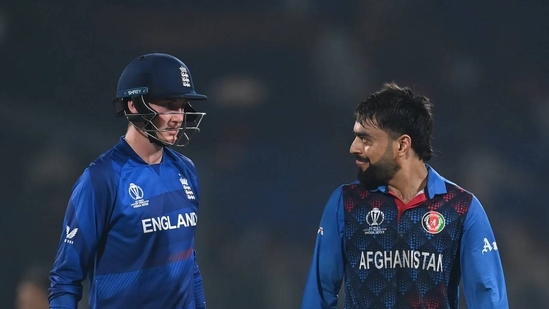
<point>405,256</point>
<point>129,228</point>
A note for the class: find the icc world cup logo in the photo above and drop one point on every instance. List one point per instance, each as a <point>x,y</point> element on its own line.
<point>375,217</point>
<point>135,191</point>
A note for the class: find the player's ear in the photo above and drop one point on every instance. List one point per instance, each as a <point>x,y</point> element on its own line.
<point>404,144</point>
<point>131,107</point>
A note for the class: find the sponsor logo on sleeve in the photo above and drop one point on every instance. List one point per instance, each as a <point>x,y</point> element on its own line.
<point>489,246</point>
<point>69,238</point>
<point>320,231</point>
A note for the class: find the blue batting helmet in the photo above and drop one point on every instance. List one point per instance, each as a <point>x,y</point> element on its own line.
<point>157,76</point>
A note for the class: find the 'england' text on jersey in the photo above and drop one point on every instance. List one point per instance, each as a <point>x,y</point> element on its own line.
<point>164,223</point>
<point>401,259</point>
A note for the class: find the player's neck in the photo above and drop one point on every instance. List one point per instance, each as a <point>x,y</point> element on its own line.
<point>139,142</point>
<point>409,180</point>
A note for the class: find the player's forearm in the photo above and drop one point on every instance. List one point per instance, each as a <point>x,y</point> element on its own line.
<point>327,267</point>
<point>323,281</point>
<point>320,290</point>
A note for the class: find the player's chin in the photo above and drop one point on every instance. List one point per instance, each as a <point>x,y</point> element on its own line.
<point>169,138</point>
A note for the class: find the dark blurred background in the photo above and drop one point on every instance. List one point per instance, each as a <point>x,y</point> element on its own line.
<point>283,78</point>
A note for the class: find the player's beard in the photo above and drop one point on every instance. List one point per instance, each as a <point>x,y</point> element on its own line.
<point>379,173</point>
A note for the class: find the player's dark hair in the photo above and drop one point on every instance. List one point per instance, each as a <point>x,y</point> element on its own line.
<point>397,111</point>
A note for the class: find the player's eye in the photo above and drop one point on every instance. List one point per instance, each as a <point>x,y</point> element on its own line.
<point>173,106</point>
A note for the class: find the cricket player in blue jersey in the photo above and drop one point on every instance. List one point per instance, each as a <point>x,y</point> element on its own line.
<point>402,236</point>
<point>131,219</point>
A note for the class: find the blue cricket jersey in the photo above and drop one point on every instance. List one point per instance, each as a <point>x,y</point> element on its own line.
<point>401,256</point>
<point>129,228</point>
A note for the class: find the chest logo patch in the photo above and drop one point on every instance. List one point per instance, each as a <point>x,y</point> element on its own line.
<point>374,218</point>
<point>136,193</point>
<point>433,222</point>
<point>187,188</point>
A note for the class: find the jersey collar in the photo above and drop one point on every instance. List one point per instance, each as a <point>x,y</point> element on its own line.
<point>436,184</point>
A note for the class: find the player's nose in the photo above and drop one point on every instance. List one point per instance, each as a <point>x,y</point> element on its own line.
<point>178,116</point>
<point>355,147</point>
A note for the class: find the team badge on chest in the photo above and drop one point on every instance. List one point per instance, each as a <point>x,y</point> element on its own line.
<point>188,190</point>
<point>433,222</point>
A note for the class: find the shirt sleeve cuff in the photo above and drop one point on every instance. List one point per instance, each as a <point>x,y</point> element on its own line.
<point>65,301</point>
<point>201,306</point>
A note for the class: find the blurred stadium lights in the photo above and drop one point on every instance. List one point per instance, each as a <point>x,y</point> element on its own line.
<point>183,30</point>
<point>240,90</point>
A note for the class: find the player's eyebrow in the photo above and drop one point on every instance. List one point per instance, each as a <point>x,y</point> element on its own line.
<point>361,134</point>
